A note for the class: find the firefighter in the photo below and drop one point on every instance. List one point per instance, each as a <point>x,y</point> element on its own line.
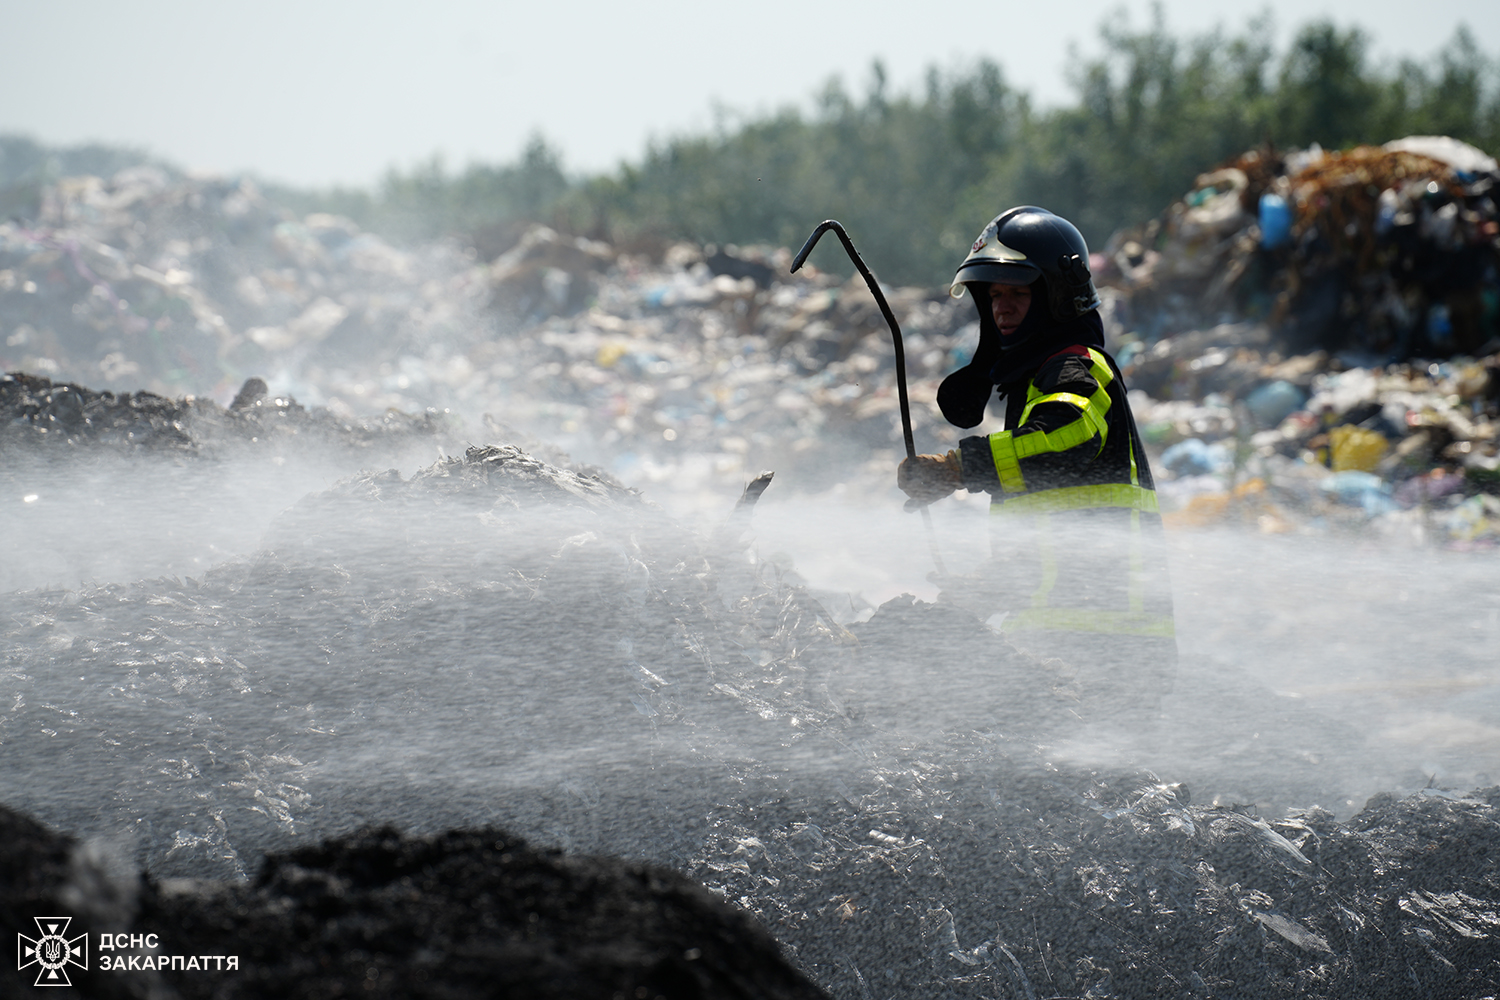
<point>1078,569</point>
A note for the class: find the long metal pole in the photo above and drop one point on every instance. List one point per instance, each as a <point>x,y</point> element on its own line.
<point>890,319</point>
<point>885,310</point>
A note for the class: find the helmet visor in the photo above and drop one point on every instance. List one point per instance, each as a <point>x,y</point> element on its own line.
<point>1008,272</point>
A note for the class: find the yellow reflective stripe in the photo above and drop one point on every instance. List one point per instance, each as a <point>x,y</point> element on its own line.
<point>1137,585</point>
<point>1092,410</point>
<point>1099,622</point>
<point>1007,462</point>
<point>1049,566</point>
<point>1047,442</point>
<point>1083,498</point>
<point>1099,368</point>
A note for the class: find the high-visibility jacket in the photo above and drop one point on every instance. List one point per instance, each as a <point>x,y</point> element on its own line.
<point>1076,524</point>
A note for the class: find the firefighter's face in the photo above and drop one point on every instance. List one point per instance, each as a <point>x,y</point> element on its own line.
<point>1009,304</point>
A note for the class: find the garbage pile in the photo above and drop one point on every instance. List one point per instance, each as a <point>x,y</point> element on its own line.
<point>1385,253</point>
<point>692,368</point>
<point>500,643</point>
<point>1312,341</point>
<point>709,356</point>
<point>191,286</point>
<point>682,368</point>
<point>1305,443</point>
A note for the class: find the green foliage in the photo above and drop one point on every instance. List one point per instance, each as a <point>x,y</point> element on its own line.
<point>913,178</point>
<point>428,201</point>
<point>876,165</point>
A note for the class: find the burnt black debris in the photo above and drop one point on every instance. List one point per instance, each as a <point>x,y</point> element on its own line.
<point>969,872</point>
<point>471,913</point>
<point>41,416</point>
<point>426,678</point>
<point>964,874</point>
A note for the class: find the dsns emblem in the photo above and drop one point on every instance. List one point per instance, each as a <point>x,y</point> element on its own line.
<point>52,951</point>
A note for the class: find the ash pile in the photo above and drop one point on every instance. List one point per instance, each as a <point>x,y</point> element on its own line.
<point>38,415</point>
<point>499,643</point>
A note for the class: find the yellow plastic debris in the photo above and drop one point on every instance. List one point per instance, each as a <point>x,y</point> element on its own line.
<point>610,352</point>
<point>1356,448</point>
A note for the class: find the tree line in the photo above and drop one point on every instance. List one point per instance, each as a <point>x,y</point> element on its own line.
<point>914,175</point>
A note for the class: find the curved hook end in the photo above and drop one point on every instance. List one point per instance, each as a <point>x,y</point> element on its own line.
<point>812,241</point>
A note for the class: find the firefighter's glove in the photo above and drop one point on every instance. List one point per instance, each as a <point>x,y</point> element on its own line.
<point>928,478</point>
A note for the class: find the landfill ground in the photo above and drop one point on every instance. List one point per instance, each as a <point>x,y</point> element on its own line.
<point>302,551</point>
<point>500,644</point>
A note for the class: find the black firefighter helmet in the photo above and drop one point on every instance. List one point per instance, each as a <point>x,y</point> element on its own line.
<point>1023,244</point>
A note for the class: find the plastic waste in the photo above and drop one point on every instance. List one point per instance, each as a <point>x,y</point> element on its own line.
<point>1275,221</point>
<point>1273,402</point>
<point>1195,457</point>
<point>1361,489</point>
<point>1356,448</point>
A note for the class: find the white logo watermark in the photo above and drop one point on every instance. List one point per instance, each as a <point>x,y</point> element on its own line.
<point>54,951</point>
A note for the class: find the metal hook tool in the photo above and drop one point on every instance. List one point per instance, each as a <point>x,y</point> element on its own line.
<point>890,319</point>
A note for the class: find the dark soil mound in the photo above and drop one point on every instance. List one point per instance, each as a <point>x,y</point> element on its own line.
<point>40,415</point>
<point>474,913</point>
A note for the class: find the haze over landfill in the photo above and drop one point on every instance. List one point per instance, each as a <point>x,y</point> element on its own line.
<point>426,505</point>
<point>337,93</point>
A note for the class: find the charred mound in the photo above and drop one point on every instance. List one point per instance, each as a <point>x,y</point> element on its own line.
<point>475,913</point>
<point>38,414</point>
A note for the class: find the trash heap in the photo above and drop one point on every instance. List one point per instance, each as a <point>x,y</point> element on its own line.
<point>886,860</point>
<point>1312,340</point>
<point>692,368</point>
<point>191,286</point>
<point>1243,434</point>
<point>1384,253</point>
<point>711,356</point>
<point>716,361</point>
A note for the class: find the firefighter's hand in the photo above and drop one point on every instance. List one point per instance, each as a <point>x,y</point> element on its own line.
<point>928,478</point>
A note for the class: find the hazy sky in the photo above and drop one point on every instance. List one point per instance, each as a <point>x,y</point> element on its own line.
<point>325,91</point>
